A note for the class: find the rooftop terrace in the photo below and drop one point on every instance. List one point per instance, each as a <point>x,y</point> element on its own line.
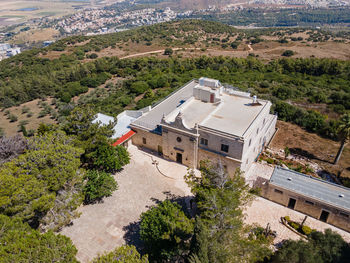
<point>233,114</point>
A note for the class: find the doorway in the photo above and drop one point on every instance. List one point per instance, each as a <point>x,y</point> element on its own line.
<point>160,150</point>
<point>291,203</point>
<point>324,216</point>
<point>211,98</point>
<point>179,157</point>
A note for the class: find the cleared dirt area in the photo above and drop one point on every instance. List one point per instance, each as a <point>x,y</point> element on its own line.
<point>12,128</point>
<point>312,146</point>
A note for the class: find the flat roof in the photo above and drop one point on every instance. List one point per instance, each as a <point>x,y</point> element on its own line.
<point>193,112</point>
<point>153,118</point>
<point>324,191</point>
<point>234,115</point>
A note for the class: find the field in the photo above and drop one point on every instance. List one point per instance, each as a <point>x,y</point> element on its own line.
<point>19,11</point>
<point>33,36</point>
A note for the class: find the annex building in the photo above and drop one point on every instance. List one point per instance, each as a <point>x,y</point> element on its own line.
<point>318,198</point>
<point>203,120</point>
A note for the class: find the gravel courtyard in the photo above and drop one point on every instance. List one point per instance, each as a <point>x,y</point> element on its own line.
<point>104,226</point>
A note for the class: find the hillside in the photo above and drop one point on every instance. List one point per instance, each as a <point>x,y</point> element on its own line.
<point>130,70</point>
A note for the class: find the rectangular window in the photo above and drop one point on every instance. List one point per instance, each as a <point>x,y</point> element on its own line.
<point>224,148</point>
<point>343,214</point>
<point>144,140</point>
<point>204,141</point>
<point>278,191</point>
<point>309,202</point>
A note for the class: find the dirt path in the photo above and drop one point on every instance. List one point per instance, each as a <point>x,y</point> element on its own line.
<point>156,52</point>
<point>250,47</point>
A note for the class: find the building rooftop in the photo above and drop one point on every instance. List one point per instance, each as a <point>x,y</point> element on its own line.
<point>153,118</point>
<point>308,186</point>
<point>234,114</point>
<point>230,112</point>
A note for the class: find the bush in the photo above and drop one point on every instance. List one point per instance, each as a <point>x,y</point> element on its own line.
<point>168,51</point>
<point>255,191</point>
<point>12,117</point>
<point>306,230</point>
<point>296,226</point>
<point>100,184</point>
<point>93,56</point>
<point>29,114</point>
<point>288,53</point>
<point>287,218</point>
<point>25,110</point>
<point>270,161</point>
<point>139,87</point>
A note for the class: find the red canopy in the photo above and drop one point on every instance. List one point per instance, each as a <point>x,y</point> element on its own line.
<point>125,137</point>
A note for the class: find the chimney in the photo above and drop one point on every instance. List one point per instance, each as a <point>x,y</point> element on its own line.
<point>255,99</point>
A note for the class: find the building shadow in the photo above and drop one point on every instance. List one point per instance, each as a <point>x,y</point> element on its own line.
<point>306,154</point>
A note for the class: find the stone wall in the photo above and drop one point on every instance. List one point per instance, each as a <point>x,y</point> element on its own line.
<point>177,142</point>
<point>147,139</point>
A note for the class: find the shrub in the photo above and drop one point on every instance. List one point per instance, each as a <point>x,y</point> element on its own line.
<point>288,53</point>
<point>287,218</point>
<point>286,151</point>
<point>23,122</point>
<point>306,230</point>
<point>255,191</point>
<point>13,117</point>
<point>269,161</point>
<point>25,110</point>
<point>168,51</point>
<point>42,114</point>
<point>93,56</point>
<point>29,114</point>
<point>296,226</point>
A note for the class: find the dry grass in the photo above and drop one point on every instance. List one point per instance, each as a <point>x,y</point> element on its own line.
<point>11,128</point>
<point>37,35</point>
<point>316,148</point>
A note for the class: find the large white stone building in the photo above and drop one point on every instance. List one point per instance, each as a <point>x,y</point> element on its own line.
<point>203,120</point>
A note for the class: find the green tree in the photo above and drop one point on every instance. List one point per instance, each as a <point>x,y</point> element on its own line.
<point>109,158</point>
<point>327,247</point>
<point>165,230</point>
<point>168,51</point>
<point>20,243</point>
<point>123,254</point>
<point>139,87</point>
<point>220,234</point>
<point>99,184</point>
<point>47,177</point>
<point>89,135</point>
<point>344,134</point>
